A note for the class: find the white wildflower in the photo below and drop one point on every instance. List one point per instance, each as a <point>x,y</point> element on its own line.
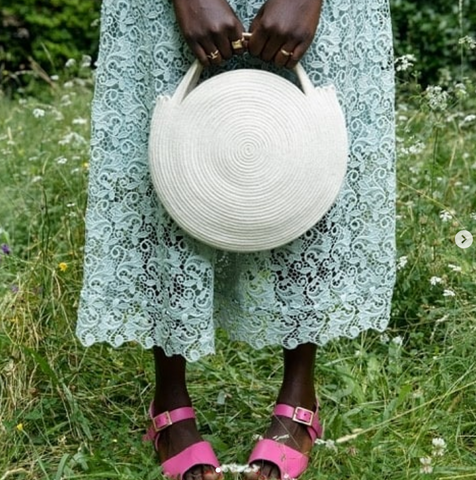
<point>61,160</point>
<point>437,97</point>
<point>70,63</point>
<point>417,148</point>
<point>397,341</point>
<point>22,101</point>
<point>445,215</point>
<point>426,465</point>
<point>455,268</point>
<point>384,338</point>
<point>70,205</point>
<point>38,113</point>
<point>73,138</point>
<point>235,468</point>
<point>473,215</point>
<point>435,280</point>
<point>79,121</point>
<point>402,261</point>
<point>466,120</point>
<point>405,62</point>
<point>86,61</point>
<point>69,84</point>
<point>468,41</point>
<point>36,179</point>
<point>54,78</point>
<point>448,293</point>
<point>439,447</point>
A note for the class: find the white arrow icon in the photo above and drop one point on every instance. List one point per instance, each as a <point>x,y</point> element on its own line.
<point>464,239</point>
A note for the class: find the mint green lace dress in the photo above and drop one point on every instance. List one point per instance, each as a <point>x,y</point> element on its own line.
<point>148,282</point>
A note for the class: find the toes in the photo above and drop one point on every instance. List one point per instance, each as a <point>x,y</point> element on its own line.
<point>209,473</point>
<point>254,472</point>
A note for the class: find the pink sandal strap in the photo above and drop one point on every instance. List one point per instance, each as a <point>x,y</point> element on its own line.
<point>200,453</point>
<point>165,419</point>
<point>291,462</point>
<point>310,418</point>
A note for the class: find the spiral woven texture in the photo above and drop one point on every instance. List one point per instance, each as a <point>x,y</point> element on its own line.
<point>247,161</point>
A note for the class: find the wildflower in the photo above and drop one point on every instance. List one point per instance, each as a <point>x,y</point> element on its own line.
<point>69,84</point>
<point>405,62</point>
<point>448,293</point>
<point>455,268</point>
<point>6,249</point>
<point>417,148</point>
<point>473,215</point>
<point>86,165</point>
<point>437,98</point>
<point>86,61</point>
<point>70,205</point>
<point>54,78</point>
<point>402,261</point>
<point>20,427</point>
<point>63,266</point>
<point>235,468</point>
<point>61,160</point>
<point>70,63</point>
<point>439,447</point>
<point>79,121</point>
<point>38,113</point>
<point>445,215</point>
<point>72,138</point>
<point>397,341</point>
<point>384,338</point>
<point>22,101</point>
<point>467,41</point>
<point>426,465</point>
<point>468,119</point>
<point>435,280</point>
<point>36,179</point>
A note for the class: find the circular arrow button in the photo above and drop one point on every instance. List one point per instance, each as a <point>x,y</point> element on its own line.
<point>463,239</point>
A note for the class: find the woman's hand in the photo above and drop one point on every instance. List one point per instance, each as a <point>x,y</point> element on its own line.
<point>283,30</point>
<point>209,27</point>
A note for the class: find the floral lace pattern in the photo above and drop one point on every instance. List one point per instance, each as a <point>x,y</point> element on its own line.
<point>146,281</point>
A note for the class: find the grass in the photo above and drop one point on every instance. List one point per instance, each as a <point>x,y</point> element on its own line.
<point>67,412</point>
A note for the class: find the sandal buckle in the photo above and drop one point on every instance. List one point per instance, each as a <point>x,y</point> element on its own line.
<point>303,415</point>
<point>161,421</point>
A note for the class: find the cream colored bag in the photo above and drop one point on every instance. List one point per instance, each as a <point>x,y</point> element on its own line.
<point>246,161</point>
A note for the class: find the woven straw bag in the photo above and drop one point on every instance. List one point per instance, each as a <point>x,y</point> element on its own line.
<point>246,161</point>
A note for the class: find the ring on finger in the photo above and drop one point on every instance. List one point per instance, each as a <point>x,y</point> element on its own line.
<point>286,53</point>
<point>237,44</point>
<point>214,55</point>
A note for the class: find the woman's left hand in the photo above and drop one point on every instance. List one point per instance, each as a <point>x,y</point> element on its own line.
<point>283,30</point>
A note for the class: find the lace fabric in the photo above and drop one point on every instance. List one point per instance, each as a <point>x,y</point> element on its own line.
<point>147,281</point>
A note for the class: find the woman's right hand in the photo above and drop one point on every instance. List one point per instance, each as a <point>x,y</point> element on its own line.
<point>208,26</point>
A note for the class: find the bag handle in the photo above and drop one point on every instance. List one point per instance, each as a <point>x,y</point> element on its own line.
<point>190,79</point>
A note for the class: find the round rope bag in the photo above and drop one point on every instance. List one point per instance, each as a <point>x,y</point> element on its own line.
<point>246,160</point>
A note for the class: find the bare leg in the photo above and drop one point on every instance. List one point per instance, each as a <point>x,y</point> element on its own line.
<point>170,393</point>
<point>297,389</point>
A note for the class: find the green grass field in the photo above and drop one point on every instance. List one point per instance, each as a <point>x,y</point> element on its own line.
<point>395,406</point>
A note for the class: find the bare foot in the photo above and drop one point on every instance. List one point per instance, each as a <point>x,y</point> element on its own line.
<point>286,431</point>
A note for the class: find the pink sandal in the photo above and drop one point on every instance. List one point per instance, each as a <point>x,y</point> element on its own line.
<point>290,462</point>
<point>200,453</point>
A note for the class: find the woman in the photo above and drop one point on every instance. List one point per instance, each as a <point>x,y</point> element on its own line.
<point>145,280</point>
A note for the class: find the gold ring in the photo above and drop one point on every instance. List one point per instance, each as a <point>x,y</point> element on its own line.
<point>214,55</point>
<point>286,53</point>
<point>237,44</point>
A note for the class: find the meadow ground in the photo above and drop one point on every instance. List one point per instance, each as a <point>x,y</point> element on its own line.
<point>395,406</point>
